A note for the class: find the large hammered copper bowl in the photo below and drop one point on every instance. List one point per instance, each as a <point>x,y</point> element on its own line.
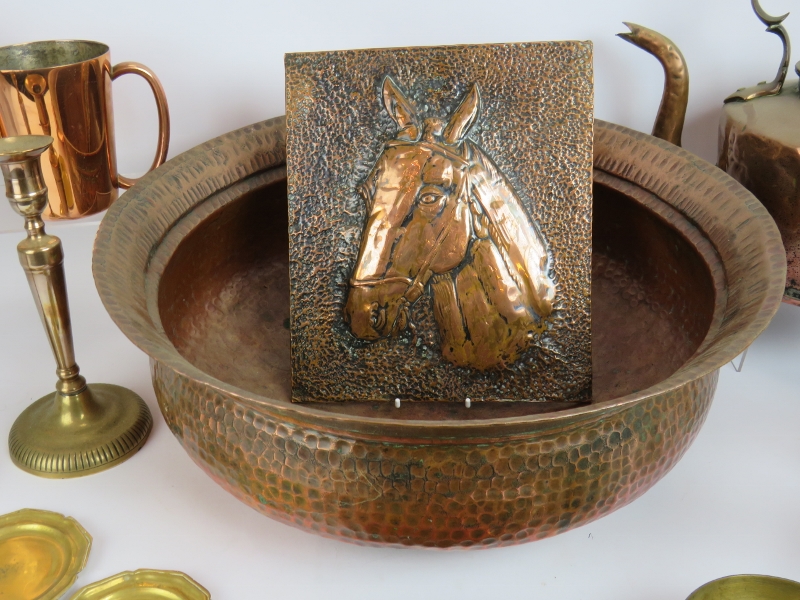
<point>192,264</point>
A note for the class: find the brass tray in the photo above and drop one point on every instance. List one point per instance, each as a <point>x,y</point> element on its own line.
<point>41,554</point>
<point>143,584</point>
<point>748,587</point>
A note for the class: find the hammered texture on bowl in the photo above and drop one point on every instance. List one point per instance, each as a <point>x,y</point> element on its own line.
<point>365,490</point>
<point>688,269</point>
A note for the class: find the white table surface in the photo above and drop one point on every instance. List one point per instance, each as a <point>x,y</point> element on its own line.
<point>731,505</point>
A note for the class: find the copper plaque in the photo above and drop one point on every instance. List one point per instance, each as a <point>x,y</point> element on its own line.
<point>440,222</point>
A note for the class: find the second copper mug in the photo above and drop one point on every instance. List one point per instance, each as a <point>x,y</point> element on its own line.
<point>63,89</point>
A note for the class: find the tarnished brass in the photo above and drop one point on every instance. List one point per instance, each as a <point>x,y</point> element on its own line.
<point>78,429</point>
<point>440,223</point>
<point>672,112</point>
<point>748,587</point>
<point>759,146</point>
<point>773,87</point>
<point>144,584</point>
<point>41,554</point>
<point>63,89</point>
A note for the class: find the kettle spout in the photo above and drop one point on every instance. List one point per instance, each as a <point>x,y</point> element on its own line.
<point>672,112</point>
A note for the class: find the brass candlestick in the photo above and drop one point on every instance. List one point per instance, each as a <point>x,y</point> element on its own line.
<point>79,429</point>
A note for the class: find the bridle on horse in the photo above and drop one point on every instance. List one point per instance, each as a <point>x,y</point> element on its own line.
<point>415,286</point>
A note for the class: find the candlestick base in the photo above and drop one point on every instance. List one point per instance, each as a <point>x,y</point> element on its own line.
<point>70,435</point>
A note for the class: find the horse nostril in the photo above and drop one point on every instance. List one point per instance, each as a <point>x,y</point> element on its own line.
<point>401,322</point>
<point>377,317</point>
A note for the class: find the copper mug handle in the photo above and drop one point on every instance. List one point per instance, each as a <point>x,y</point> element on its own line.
<point>124,68</point>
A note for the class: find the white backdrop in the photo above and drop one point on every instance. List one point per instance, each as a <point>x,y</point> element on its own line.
<point>221,62</point>
<point>730,505</point>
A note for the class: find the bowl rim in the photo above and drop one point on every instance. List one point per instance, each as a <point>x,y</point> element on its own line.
<point>184,182</point>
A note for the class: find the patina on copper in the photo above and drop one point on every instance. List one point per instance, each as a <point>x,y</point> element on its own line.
<point>441,212</point>
<point>759,146</point>
<point>440,219</point>
<point>687,270</point>
<point>192,264</point>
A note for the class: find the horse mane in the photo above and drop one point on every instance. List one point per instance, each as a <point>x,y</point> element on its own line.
<point>514,233</point>
<point>484,325</point>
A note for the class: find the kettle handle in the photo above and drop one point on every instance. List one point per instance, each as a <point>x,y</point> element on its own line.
<point>773,87</point>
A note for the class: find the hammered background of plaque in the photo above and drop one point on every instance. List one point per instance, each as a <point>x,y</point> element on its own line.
<point>535,124</point>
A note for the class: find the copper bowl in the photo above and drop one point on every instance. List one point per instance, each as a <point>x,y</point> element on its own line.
<point>192,264</point>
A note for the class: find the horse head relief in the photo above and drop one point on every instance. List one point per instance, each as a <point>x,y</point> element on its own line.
<point>441,218</point>
<point>440,223</point>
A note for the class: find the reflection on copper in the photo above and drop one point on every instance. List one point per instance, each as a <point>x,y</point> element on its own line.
<point>36,85</point>
<point>441,212</point>
<point>71,102</point>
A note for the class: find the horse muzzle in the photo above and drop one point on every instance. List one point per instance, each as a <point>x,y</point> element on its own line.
<point>372,314</point>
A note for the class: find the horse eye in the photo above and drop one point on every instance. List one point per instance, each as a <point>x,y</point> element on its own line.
<point>430,198</point>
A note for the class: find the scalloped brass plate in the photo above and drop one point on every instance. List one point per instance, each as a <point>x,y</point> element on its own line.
<point>143,584</point>
<point>41,554</point>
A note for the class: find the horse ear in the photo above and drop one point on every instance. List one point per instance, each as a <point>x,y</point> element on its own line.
<point>464,117</point>
<point>400,109</point>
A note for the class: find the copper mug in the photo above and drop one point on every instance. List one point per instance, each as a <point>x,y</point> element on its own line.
<point>63,89</point>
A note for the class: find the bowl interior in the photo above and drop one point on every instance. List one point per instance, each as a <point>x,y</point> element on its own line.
<point>223,300</point>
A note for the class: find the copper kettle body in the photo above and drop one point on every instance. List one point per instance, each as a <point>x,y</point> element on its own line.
<point>759,146</point>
